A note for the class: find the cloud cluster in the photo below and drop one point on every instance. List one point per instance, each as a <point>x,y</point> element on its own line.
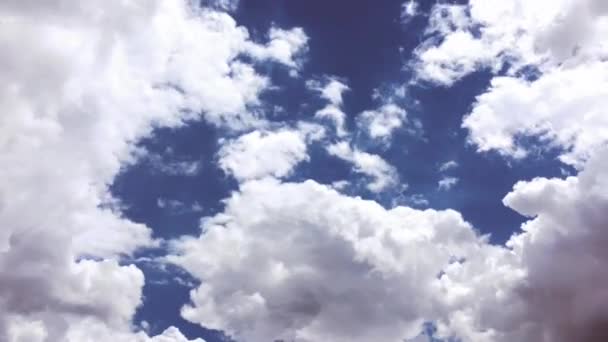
<point>512,34</point>
<point>313,264</point>
<point>80,83</point>
<point>553,60</point>
<point>563,251</point>
<point>316,265</point>
<point>553,91</point>
<point>299,261</point>
<point>564,108</point>
<point>295,261</point>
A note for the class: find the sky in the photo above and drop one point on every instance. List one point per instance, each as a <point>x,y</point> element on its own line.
<point>303,171</point>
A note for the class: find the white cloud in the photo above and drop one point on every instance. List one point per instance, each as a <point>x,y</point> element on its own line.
<point>103,294</point>
<point>382,173</point>
<point>549,284</point>
<point>563,251</point>
<point>302,262</point>
<point>562,39</point>
<point>336,115</point>
<point>409,10</point>
<point>332,90</point>
<point>409,266</point>
<point>284,46</point>
<point>449,165</point>
<point>266,153</point>
<point>91,331</point>
<point>381,123</point>
<point>291,261</point>
<point>542,33</point>
<point>446,183</point>
<point>80,83</point>
<point>565,107</point>
<point>458,55</point>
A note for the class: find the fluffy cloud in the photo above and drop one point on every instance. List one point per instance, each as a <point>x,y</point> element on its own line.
<point>451,51</point>
<point>565,108</point>
<point>302,262</point>
<point>549,283</point>
<point>314,265</point>
<point>563,251</point>
<point>350,270</point>
<point>561,42</point>
<point>446,183</point>
<point>514,33</point>
<point>293,261</point>
<point>80,82</point>
<point>267,153</point>
<point>284,46</point>
<point>381,123</point>
<point>382,173</point>
<point>332,90</point>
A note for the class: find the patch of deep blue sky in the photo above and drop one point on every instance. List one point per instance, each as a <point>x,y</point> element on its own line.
<point>365,43</point>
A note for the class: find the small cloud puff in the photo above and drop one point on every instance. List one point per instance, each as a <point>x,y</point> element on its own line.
<point>447,183</point>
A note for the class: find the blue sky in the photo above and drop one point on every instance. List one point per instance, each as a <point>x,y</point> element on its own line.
<point>263,170</point>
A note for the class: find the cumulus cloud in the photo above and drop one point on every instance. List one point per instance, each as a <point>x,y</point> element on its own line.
<point>284,46</point>
<point>493,34</point>
<point>382,173</point>
<point>293,261</point>
<point>548,283</point>
<point>562,249</point>
<point>446,183</point>
<point>267,153</point>
<point>80,83</point>
<point>350,270</point>
<point>565,108</point>
<point>381,123</point>
<point>560,42</point>
<point>302,262</point>
<point>332,90</point>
